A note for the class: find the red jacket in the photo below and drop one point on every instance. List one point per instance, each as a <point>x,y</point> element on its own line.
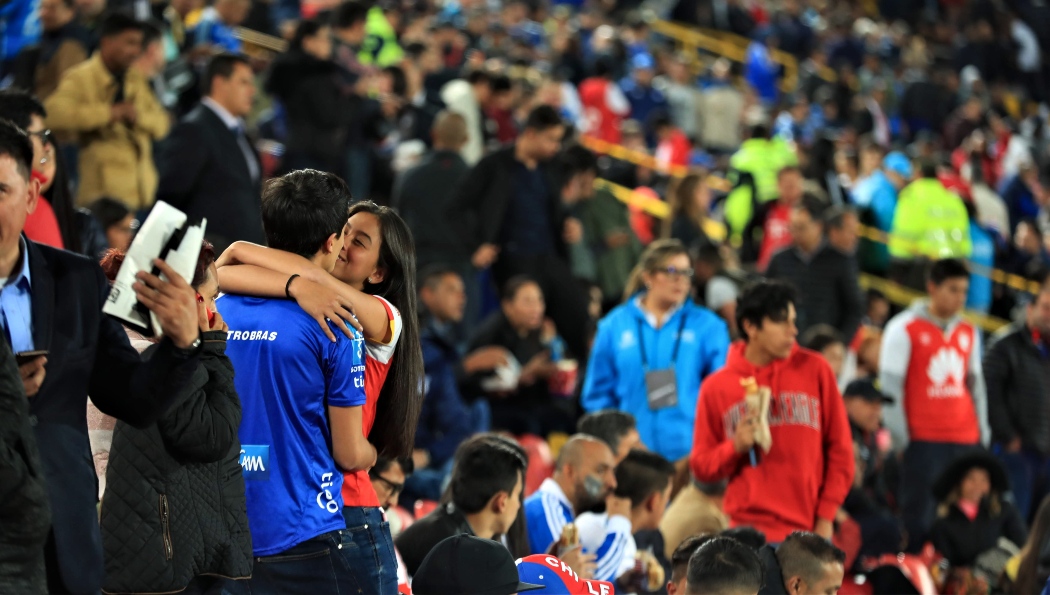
<point>809,469</point>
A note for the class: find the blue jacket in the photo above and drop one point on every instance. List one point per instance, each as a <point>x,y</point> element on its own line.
<point>761,72</point>
<point>444,421</point>
<point>980,294</point>
<point>19,27</point>
<point>616,375</point>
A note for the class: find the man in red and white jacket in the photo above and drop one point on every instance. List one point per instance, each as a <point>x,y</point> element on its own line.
<point>930,363</point>
<point>802,481</point>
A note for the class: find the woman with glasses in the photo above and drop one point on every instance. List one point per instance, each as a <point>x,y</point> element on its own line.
<point>652,352</point>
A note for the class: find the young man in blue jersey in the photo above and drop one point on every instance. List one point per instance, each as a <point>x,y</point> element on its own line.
<point>302,396</point>
<point>583,478</point>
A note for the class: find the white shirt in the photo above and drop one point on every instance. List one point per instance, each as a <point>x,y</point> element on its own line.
<point>1028,55</point>
<point>231,121</point>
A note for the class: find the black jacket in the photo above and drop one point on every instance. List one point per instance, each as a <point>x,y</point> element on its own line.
<point>483,197</point>
<point>203,172</point>
<point>24,514</point>
<point>318,110</point>
<point>89,354</point>
<point>423,196</point>
<point>415,542</point>
<point>774,580</point>
<point>1017,373</point>
<point>174,505</point>
<point>961,540</point>
<point>827,286</point>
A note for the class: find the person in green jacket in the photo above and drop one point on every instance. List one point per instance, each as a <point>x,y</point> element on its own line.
<point>930,223</point>
<point>380,47</point>
<point>753,171</point>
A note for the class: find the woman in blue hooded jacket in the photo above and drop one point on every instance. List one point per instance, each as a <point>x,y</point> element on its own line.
<point>652,352</point>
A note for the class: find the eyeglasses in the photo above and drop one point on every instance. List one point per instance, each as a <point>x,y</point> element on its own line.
<point>395,488</point>
<point>43,135</point>
<point>675,272</point>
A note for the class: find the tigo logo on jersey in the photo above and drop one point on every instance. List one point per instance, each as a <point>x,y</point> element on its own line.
<point>255,461</point>
<point>946,372</point>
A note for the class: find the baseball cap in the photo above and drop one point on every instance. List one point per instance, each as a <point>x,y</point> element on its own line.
<point>898,163</point>
<point>643,62</point>
<point>468,564</point>
<point>867,389</point>
<point>556,578</point>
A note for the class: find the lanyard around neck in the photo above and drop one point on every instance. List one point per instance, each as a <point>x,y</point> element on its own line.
<point>677,340</point>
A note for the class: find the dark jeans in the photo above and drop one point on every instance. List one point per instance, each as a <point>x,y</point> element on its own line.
<point>565,298</point>
<point>1029,474</point>
<point>372,557</point>
<point>922,464</point>
<point>324,564</point>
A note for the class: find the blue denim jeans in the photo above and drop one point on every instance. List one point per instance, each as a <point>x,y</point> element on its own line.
<point>372,557</point>
<point>1029,474</point>
<point>922,464</point>
<point>324,564</point>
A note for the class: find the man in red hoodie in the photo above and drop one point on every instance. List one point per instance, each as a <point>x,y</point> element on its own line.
<point>800,482</point>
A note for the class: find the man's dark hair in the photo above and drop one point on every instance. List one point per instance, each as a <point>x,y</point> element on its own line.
<point>760,131</point>
<point>479,76</point>
<point>708,252</point>
<point>221,65</point>
<point>483,469</point>
<point>724,565</point>
<point>305,29</point>
<point>116,22</point>
<point>874,295</point>
<point>835,217</point>
<point>15,143</point>
<point>543,118</point>
<point>804,554</point>
<point>764,299</point>
<point>152,31</point>
<point>300,210</point>
<point>609,426</point>
<point>818,337</point>
<point>515,284</point>
<point>19,107</point>
<point>684,551</point>
<point>109,211</point>
<point>433,274</point>
<point>641,474</point>
<point>348,14</point>
<point>813,206</point>
<point>928,168</point>
<point>749,536</point>
<point>945,269</point>
<point>408,466</point>
<point>501,83</point>
<point>788,169</point>
<point>572,161</point>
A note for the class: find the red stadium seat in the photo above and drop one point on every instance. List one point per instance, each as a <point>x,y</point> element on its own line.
<point>541,462</point>
<point>424,507</point>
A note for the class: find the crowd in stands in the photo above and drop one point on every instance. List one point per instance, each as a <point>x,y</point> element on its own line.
<point>727,296</point>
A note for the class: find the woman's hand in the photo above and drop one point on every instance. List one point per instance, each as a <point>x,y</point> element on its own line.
<point>216,324</point>
<point>323,304</point>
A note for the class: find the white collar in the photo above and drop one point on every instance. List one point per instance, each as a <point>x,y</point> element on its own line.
<point>227,118</point>
<point>549,486</point>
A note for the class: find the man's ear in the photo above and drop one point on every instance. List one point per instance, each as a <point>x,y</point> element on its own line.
<point>34,195</point>
<point>795,585</point>
<point>498,503</point>
<point>329,246</point>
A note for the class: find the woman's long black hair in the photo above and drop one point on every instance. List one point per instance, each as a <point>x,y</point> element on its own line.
<point>401,398</point>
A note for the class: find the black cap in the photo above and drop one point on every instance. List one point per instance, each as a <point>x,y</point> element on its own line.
<point>867,389</point>
<point>468,564</point>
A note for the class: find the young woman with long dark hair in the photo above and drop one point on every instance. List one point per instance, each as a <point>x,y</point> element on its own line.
<point>373,281</point>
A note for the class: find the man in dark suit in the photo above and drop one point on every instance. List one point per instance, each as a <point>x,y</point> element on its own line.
<point>207,165</point>
<point>511,216</point>
<point>51,300</point>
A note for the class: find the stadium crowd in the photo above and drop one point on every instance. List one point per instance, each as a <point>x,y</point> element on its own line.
<point>632,296</point>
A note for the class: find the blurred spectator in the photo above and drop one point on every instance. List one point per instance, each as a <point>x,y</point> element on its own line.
<point>307,83</point>
<point>678,343</point>
<point>644,479</point>
<point>724,565</point>
<point>381,46</point>
<point>90,14</point>
<point>826,341</point>
<point>117,220</point>
<point>607,231</point>
<point>726,439</point>
<point>583,477</point>
<point>672,145</point>
<point>468,564</point>
<point>522,402</point>
<point>510,215</point>
<point>469,97</point>
<point>760,71</point>
<point>1031,567</point>
<point>825,277</point>
<point>683,95</point>
<point>446,419</point>
<point>769,229</point>
<point>982,260</point>
<point>843,231</point>
<point>676,582</point>
<point>424,194</point>
<point>208,167</point>
<point>972,513</point>
<point>803,563</point>
<point>486,488</point>
<point>615,428</point>
<point>721,109</point>
<point>929,223</point>
<point>20,28</point>
<point>215,29</point>
<point>1017,373</point>
<point>25,497</point>
<point>645,100</point>
<point>604,104</point>
<point>116,117</point>
<point>930,365</point>
<point>1023,193</point>
<point>64,43</point>
<point>1028,255</point>
<point>876,196</point>
<point>755,172</point>
<point>714,289</point>
<point>176,37</point>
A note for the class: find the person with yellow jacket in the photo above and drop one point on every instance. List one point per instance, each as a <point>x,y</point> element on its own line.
<point>111,109</point>
<point>929,223</point>
<point>753,172</point>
